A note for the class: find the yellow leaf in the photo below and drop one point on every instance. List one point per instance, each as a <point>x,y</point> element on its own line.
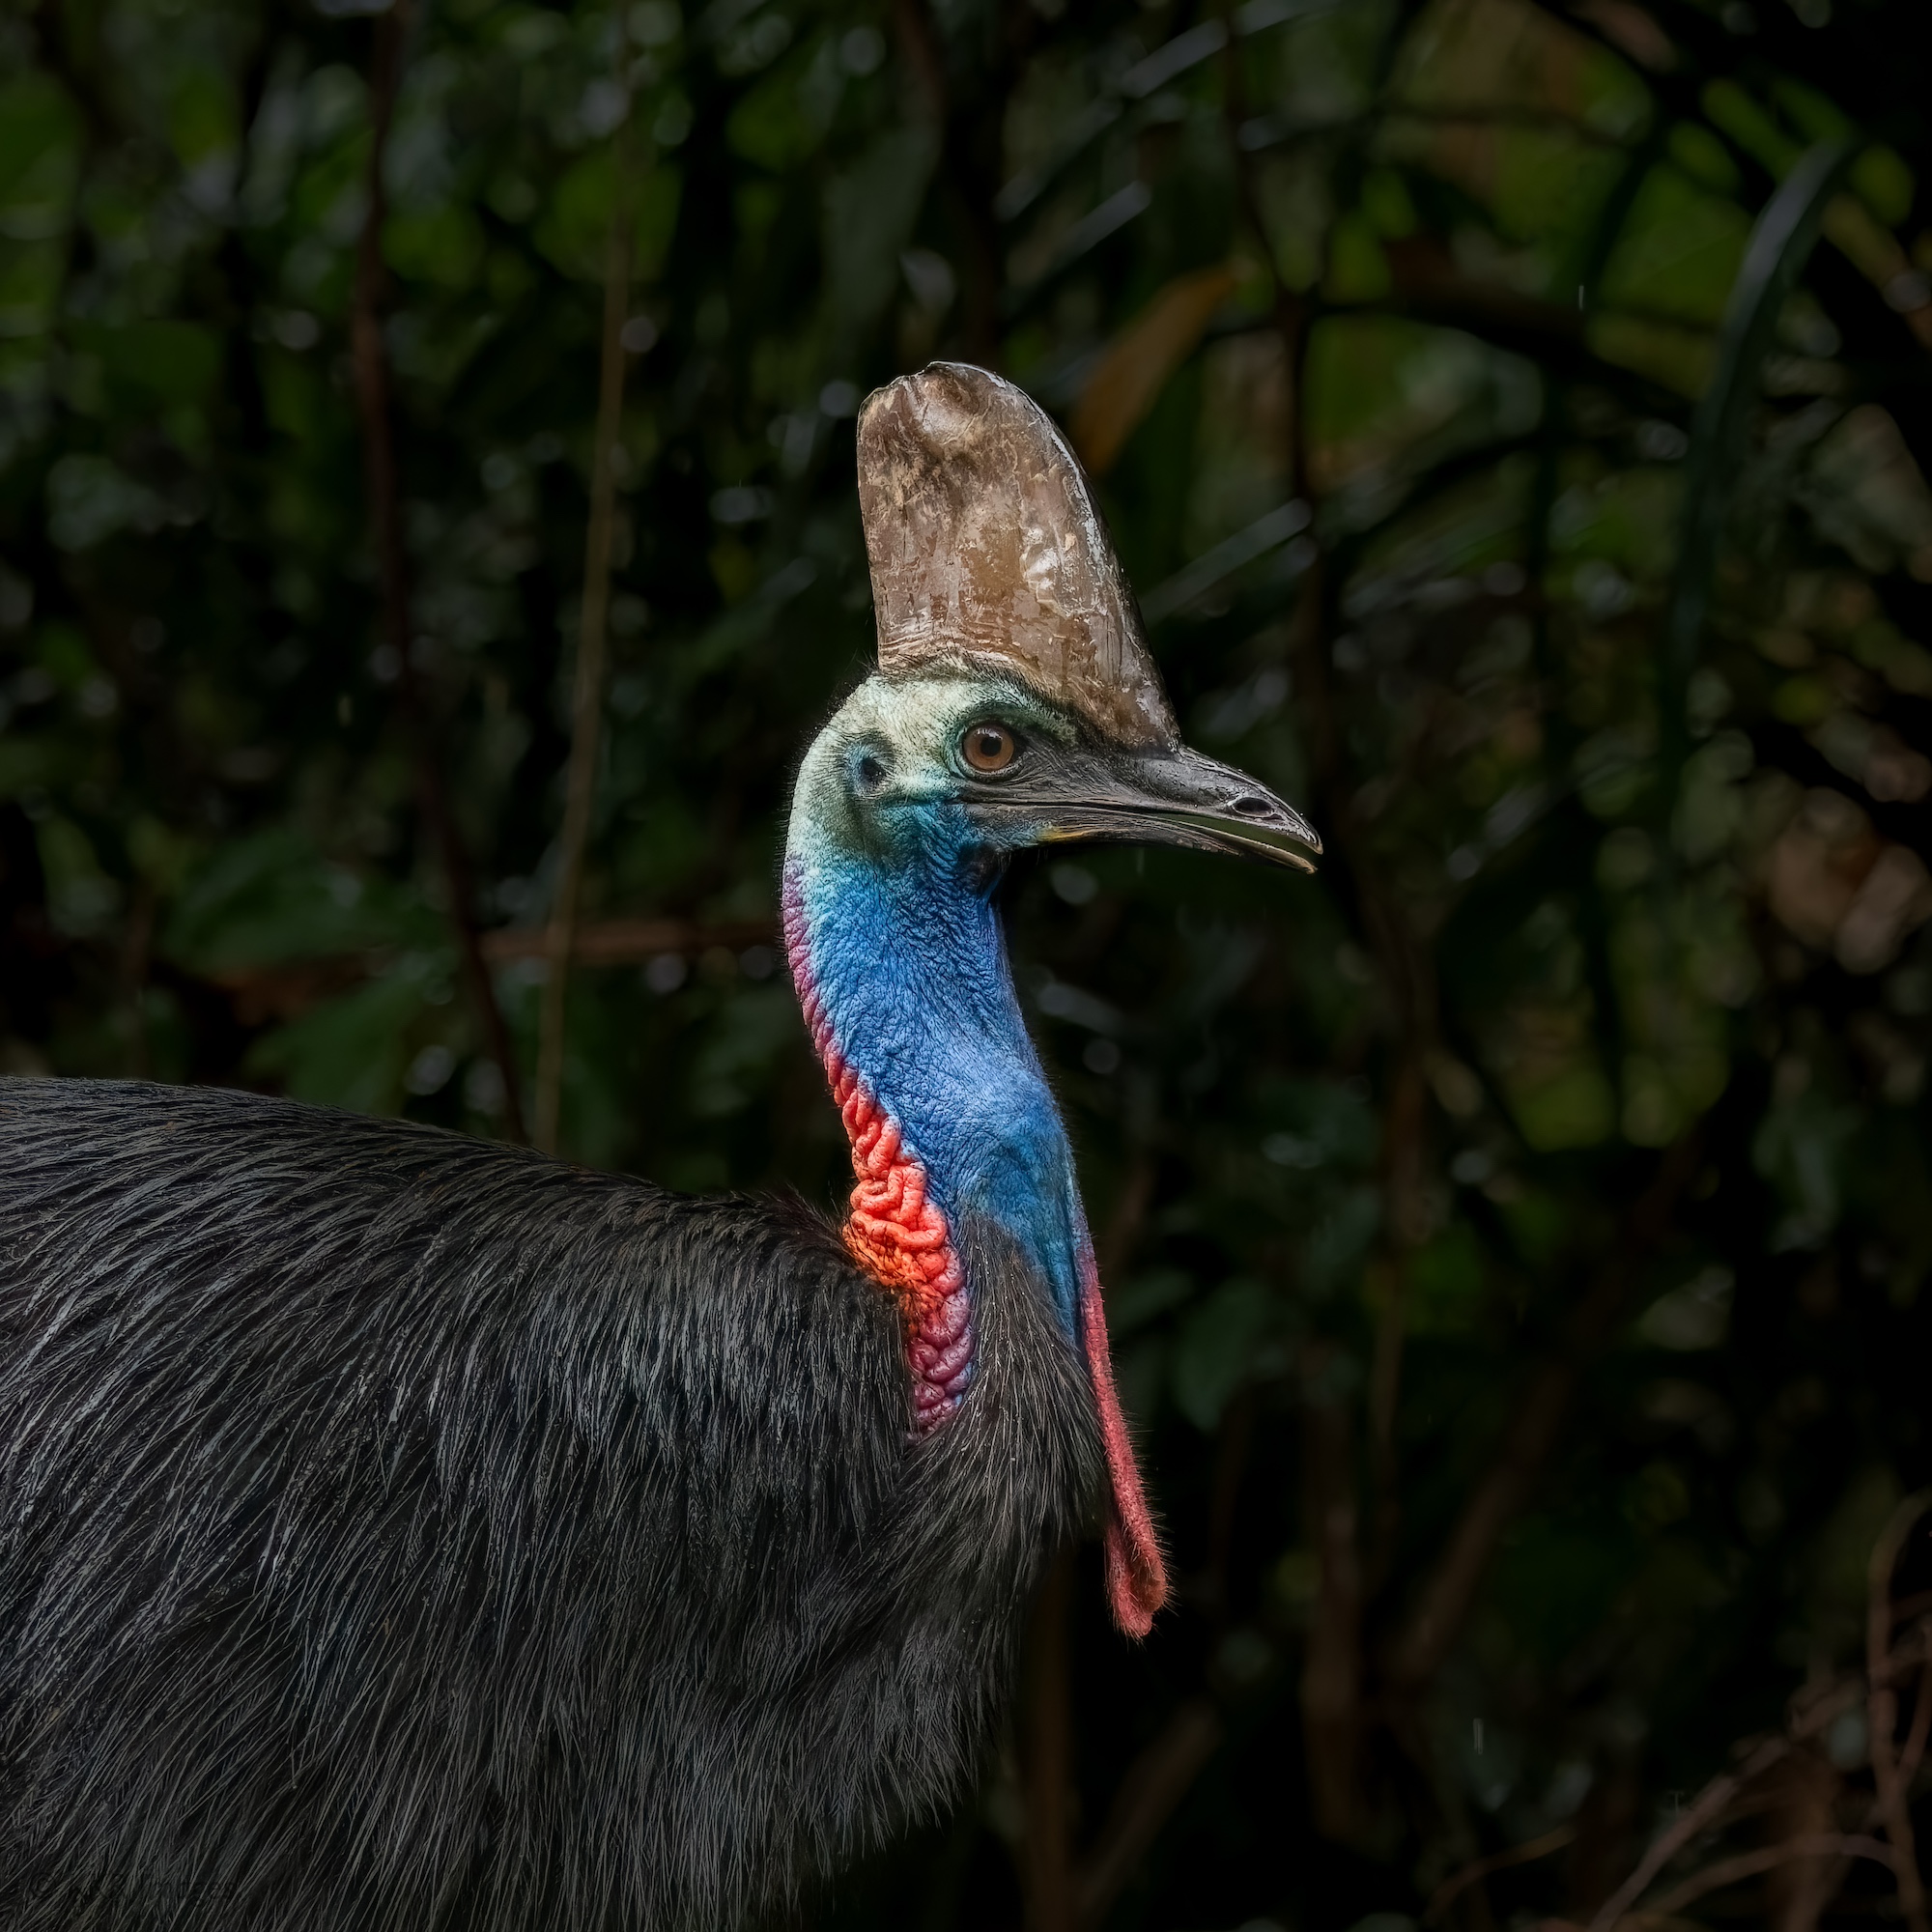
<point>1135,369</point>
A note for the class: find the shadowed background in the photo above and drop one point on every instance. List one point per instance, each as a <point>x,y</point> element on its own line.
<point>428,535</point>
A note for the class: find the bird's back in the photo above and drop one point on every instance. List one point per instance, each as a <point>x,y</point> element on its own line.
<point>398,1529</point>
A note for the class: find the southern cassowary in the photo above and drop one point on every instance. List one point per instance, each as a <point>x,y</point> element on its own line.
<point>403,1531</point>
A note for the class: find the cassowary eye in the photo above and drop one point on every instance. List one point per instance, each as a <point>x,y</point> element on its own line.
<point>988,747</point>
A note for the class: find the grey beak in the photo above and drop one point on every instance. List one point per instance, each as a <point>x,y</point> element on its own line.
<point>1142,798</point>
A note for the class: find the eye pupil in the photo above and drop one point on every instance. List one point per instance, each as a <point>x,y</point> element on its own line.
<point>988,747</point>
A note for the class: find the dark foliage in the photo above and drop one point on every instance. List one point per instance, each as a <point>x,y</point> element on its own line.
<point>1515,1238</point>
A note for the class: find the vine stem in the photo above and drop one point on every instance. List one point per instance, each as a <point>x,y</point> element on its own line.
<point>371,364</point>
<point>587,708</point>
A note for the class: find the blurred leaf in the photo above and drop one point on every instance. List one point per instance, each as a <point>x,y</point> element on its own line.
<point>1800,1148</point>
<point>1693,1316</point>
<point>868,217</point>
<point>156,361</point>
<point>273,897</point>
<point>1132,374</point>
<point>1446,1284</point>
<point>350,1051</point>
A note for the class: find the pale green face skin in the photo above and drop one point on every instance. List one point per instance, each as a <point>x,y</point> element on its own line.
<point>912,727</point>
<point>887,779</point>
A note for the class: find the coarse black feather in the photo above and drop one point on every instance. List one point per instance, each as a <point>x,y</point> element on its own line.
<point>403,1531</point>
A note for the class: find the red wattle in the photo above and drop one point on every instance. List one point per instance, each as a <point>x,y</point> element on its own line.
<point>898,1236</point>
<point>1136,1572</point>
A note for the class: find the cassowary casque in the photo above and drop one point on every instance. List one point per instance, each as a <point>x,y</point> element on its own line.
<point>403,1531</point>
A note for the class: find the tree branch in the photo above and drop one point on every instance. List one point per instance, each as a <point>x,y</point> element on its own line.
<point>1747,1865</point>
<point>1446,1893</point>
<point>1814,1714</point>
<point>628,942</point>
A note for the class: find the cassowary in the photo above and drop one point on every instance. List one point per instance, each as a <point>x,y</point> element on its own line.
<point>403,1531</point>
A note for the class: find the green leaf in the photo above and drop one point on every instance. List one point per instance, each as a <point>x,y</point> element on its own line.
<point>1781,243</point>
<point>1751,126</point>
<point>1885,184</point>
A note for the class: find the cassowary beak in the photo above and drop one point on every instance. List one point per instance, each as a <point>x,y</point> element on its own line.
<point>1140,798</point>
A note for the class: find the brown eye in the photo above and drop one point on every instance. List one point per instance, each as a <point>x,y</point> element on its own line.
<point>989,747</point>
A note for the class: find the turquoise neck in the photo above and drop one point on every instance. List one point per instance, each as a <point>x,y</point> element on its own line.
<point>902,951</point>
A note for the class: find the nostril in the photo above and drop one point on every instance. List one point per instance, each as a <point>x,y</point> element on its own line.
<point>1251,807</point>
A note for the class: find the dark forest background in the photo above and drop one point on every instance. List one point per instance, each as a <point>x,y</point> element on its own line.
<point>1513,417</point>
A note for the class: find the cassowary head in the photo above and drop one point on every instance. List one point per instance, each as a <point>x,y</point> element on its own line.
<point>1015,705</point>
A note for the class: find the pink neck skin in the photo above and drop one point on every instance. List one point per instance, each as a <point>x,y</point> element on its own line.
<point>1136,1572</point>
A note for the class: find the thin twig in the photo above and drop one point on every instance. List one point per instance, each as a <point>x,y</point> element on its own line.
<point>1804,1802</point>
<point>587,709</point>
<point>1883,1707</point>
<point>1331,1670</point>
<point>1834,1877</point>
<point>379,458</point>
<point>1048,1765</point>
<point>1451,1588</point>
<point>1446,1893</point>
<point>1156,1782</point>
<point>1698,1816</point>
<point>1911,1757</point>
<point>1813,1717</point>
<point>1747,1865</point>
<point>1402,1156</point>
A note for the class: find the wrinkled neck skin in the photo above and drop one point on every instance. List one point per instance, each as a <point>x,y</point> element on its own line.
<point>900,964</point>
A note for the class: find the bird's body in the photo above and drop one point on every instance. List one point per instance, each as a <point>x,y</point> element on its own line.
<point>399,1531</point>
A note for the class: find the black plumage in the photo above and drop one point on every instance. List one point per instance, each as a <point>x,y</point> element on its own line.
<point>398,1531</point>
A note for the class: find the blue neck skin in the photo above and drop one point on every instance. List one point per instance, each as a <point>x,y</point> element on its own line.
<point>905,948</point>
